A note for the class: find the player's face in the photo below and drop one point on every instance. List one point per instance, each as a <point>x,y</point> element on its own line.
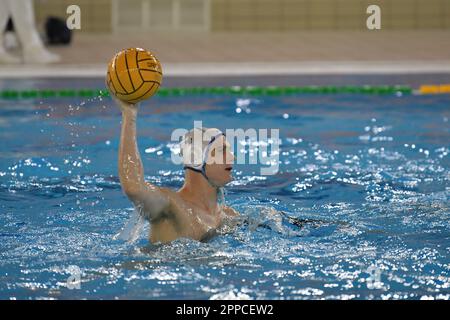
<point>220,162</point>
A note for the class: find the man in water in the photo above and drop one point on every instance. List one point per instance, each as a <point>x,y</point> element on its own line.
<point>193,211</point>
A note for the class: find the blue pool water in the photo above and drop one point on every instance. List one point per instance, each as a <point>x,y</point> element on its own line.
<point>367,178</point>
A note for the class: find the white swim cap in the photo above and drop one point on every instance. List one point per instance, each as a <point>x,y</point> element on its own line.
<point>194,147</point>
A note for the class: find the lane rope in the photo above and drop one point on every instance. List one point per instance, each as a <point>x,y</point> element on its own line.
<point>434,89</point>
<point>233,90</point>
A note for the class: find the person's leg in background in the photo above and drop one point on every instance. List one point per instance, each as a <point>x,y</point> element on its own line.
<point>34,50</point>
<point>5,13</point>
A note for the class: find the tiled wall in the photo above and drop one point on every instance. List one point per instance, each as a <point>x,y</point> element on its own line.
<point>279,15</point>
<point>285,15</point>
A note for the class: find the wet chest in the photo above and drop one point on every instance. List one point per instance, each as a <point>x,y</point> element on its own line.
<point>197,222</point>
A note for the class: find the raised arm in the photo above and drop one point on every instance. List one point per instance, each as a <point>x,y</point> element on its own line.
<point>148,199</point>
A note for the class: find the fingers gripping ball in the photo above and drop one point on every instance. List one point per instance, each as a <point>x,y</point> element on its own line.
<point>134,75</point>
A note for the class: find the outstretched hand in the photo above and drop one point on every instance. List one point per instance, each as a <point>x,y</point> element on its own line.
<point>126,106</point>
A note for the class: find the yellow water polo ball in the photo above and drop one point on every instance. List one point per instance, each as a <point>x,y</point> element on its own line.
<point>134,75</point>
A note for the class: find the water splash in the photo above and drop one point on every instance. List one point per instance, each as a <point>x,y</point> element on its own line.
<point>133,229</point>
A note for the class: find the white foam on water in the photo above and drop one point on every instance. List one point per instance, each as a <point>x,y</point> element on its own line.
<point>132,229</point>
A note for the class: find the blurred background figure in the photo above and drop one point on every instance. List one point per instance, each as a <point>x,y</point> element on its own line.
<point>33,49</point>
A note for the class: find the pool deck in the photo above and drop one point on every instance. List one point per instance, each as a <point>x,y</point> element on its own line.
<point>256,54</point>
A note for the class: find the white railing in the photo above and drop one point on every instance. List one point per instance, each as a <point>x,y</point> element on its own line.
<point>145,15</point>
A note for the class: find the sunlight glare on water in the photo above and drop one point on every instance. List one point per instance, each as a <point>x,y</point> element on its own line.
<point>359,208</point>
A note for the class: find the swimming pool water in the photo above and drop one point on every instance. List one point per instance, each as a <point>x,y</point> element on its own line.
<point>367,177</point>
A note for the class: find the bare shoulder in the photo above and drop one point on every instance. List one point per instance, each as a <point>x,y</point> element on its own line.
<point>168,193</point>
<point>174,198</point>
<point>171,195</point>
<point>230,212</point>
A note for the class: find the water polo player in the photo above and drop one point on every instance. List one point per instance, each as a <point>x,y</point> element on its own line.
<point>195,211</point>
